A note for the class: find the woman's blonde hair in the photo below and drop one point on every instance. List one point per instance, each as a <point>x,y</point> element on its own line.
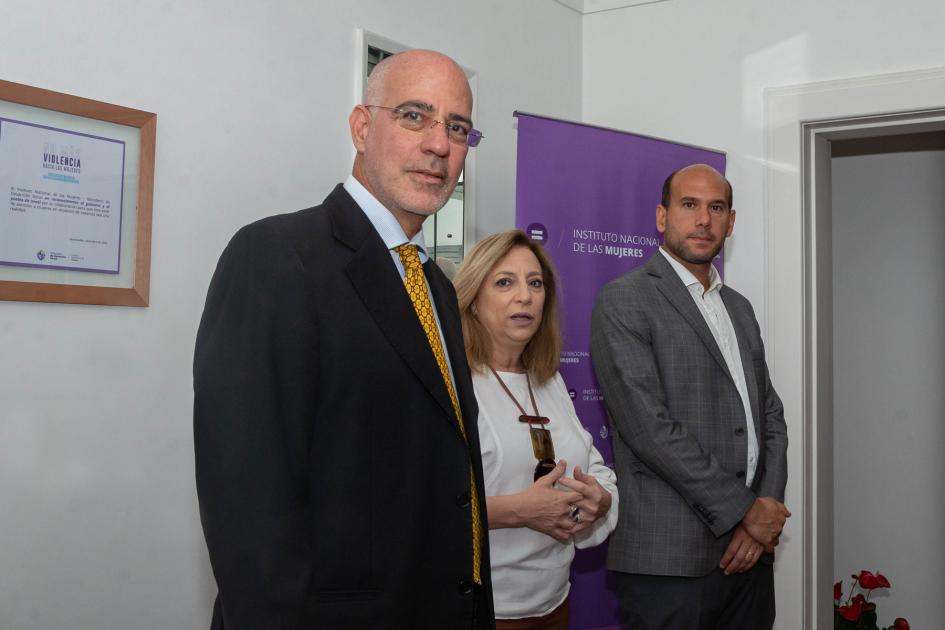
<point>541,355</point>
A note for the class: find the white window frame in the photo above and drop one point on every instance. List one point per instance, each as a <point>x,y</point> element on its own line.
<point>364,39</point>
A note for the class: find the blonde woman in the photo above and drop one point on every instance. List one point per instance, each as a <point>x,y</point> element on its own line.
<point>547,488</point>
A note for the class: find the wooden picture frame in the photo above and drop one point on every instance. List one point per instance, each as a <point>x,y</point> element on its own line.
<point>36,107</point>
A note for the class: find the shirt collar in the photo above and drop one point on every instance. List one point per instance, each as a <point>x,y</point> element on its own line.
<point>687,277</point>
<point>383,221</point>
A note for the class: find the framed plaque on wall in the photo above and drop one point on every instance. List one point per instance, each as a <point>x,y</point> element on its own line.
<point>76,187</point>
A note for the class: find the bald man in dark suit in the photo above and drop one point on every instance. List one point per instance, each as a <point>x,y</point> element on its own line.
<point>338,466</point>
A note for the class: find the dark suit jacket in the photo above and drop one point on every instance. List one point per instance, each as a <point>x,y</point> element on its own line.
<point>680,444</point>
<point>332,475</point>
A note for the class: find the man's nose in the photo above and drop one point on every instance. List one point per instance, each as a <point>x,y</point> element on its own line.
<point>703,216</point>
<point>436,140</point>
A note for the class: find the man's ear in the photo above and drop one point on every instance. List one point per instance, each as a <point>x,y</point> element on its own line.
<point>660,219</point>
<point>731,223</point>
<point>360,122</point>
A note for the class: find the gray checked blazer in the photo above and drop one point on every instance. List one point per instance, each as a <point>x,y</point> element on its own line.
<point>680,443</point>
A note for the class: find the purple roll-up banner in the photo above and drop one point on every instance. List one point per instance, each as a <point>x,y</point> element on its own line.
<point>589,195</point>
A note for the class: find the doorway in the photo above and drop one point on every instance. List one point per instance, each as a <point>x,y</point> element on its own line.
<point>887,214</point>
<point>876,210</point>
<point>802,125</point>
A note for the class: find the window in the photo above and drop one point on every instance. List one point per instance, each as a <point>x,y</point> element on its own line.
<point>444,232</point>
<point>375,55</point>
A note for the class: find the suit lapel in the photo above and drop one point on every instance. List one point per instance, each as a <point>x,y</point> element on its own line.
<point>673,289</point>
<point>448,311</point>
<point>380,287</point>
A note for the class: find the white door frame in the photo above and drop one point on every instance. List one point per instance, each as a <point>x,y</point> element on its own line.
<point>800,122</point>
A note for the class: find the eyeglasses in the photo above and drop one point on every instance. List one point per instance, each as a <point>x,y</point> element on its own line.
<point>417,120</point>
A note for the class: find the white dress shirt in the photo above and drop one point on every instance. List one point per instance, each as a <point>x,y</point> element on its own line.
<point>709,302</point>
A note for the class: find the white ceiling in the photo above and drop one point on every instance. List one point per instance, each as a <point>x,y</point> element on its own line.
<point>593,6</point>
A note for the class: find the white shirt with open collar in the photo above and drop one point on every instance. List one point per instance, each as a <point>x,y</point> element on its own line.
<point>709,302</point>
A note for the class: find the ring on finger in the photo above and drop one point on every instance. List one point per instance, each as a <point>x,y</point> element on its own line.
<point>572,511</point>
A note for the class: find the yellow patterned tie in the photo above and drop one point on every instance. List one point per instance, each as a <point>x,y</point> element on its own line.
<point>417,289</point>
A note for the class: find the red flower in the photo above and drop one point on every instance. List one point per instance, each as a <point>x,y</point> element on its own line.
<point>869,581</point>
<point>859,610</point>
<point>851,612</point>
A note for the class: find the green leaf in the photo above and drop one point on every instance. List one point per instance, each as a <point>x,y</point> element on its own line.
<point>868,618</point>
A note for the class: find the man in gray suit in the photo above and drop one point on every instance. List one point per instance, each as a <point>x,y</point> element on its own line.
<point>699,434</point>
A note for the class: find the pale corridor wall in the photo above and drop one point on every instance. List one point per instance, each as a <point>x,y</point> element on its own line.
<point>889,365</point>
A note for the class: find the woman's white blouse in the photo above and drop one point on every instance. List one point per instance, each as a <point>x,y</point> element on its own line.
<point>530,569</point>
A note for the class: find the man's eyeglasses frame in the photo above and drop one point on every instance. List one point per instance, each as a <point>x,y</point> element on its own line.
<point>418,121</point>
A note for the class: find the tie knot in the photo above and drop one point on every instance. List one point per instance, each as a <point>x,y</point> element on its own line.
<point>409,257</point>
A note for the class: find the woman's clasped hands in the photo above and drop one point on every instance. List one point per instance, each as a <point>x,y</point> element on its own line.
<point>563,512</point>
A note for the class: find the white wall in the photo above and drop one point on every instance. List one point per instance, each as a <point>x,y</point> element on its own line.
<point>100,528</point>
<point>696,71</point>
<point>889,366</point>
